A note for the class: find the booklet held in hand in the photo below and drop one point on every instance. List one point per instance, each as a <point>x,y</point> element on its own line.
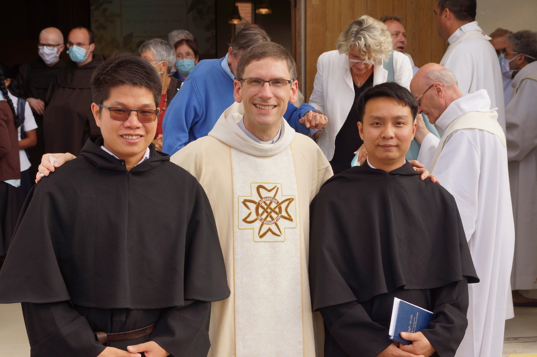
<point>407,317</point>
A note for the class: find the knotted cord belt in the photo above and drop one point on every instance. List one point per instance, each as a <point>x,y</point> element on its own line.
<point>104,337</point>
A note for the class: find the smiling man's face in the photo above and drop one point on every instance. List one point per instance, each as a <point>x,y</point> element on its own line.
<point>127,139</point>
<point>265,105</point>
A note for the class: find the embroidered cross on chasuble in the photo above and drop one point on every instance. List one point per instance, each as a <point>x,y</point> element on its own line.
<point>267,265</point>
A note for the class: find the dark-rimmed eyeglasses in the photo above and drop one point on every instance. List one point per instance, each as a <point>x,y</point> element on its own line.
<point>48,47</point>
<point>422,94</point>
<point>123,114</point>
<point>258,82</point>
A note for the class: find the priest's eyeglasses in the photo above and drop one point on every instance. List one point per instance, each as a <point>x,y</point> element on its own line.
<point>422,94</point>
<point>259,83</point>
<point>123,114</point>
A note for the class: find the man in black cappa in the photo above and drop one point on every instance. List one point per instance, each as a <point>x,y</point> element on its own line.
<point>118,253</point>
<point>379,232</point>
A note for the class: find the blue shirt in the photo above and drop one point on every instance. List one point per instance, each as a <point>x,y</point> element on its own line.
<point>204,96</point>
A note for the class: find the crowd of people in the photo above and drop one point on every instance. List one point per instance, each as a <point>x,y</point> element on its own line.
<point>190,208</point>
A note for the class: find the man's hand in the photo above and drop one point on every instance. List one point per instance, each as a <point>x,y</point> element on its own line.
<point>314,120</point>
<point>420,344</point>
<point>37,105</point>
<point>114,352</point>
<point>419,167</point>
<point>362,156</point>
<point>150,349</point>
<point>46,166</point>
<point>394,351</point>
<point>158,143</point>
<point>421,131</point>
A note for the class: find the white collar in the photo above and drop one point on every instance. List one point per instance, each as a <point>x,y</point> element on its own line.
<point>478,101</point>
<point>462,30</point>
<point>373,167</point>
<point>146,155</point>
<point>255,138</point>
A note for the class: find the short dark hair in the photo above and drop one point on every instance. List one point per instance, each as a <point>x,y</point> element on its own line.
<point>386,18</point>
<point>264,50</point>
<point>463,10</point>
<point>246,38</point>
<point>387,90</point>
<point>190,43</point>
<point>90,33</point>
<point>124,69</point>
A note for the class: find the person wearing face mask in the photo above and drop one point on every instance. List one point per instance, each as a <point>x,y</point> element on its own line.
<point>187,56</point>
<point>68,122</point>
<point>499,42</point>
<point>161,55</point>
<point>521,116</point>
<point>33,81</point>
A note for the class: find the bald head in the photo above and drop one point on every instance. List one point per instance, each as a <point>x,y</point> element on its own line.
<point>51,36</point>
<point>50,45</point>
<point>436,88</point>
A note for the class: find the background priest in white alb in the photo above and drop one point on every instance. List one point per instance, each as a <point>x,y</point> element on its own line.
<point>521,115</point>
<point>470,160</point>
<point>470,56</point>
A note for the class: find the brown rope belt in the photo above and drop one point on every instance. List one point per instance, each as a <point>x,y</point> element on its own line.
<point>104,337</point>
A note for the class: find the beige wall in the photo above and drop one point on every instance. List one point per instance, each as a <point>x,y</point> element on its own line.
<point>514,15</point>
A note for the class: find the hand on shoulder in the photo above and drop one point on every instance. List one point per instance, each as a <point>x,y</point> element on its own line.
<point>49,163</point>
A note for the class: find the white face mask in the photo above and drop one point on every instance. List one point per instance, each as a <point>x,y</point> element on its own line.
<point>48,56</point>
<point>159,73</point>
<point>505,64</point>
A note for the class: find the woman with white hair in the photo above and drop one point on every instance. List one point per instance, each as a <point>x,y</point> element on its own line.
<point>161,55</point>
<point>364,58</point>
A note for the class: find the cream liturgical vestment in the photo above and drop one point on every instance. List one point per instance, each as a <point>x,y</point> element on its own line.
<point>472,166</point>
<point>260,195</point>
<point>473,60</point>
<point>522,150</point>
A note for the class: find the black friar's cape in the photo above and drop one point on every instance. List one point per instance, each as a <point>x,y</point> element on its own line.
<point>104,237</point>
<point>376,235</point>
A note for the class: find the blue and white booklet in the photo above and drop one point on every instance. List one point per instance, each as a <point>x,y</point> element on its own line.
<point>407,317</point>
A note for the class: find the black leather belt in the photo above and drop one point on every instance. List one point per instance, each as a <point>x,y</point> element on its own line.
<point>104,337</point>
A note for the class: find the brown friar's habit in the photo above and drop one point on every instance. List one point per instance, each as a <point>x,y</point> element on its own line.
<point>33,81</point>
<point>378,235</point>
<point>102,249</point>
<point>68,121</point>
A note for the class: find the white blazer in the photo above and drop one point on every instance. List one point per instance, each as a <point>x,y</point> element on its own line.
<point>333,91</point>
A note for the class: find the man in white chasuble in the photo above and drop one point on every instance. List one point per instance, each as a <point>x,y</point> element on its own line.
<point>260,177</point>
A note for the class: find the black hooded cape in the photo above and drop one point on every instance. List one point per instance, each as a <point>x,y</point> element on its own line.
<point>378,235</point>
<point>106,239</point>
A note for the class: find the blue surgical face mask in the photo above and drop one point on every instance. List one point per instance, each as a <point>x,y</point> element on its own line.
<point>500,58</point>
<point>185,66</point>
<point>77,54</point>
